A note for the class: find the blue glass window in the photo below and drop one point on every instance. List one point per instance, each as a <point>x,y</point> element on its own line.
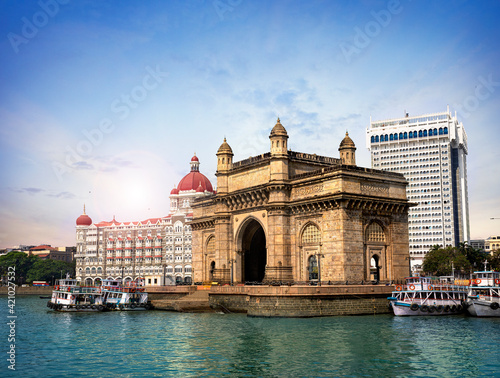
<point>373,139</point>
<point>440,131</point>
<point>425,133</point>
<point>420,133</point>
<point>376,138</point>
<point>405,135</point>
<point>445,130</point>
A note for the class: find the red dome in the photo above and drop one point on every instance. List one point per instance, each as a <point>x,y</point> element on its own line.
<point>199,189</point>
<point>193,180</point>
<point>83,220</point>
<point>194,158</point>
<point>174,191</point>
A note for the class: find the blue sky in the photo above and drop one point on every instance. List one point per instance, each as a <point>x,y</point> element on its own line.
<point>104,103</point>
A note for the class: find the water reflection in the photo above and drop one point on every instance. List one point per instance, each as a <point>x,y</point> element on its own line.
<point>157,343</point>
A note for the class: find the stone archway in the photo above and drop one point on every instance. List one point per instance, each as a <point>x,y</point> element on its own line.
<point>254,250</point>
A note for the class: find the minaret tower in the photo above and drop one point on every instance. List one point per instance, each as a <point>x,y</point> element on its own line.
<point>224,164</point>
<point>347,150</point>
<point>279,152</point>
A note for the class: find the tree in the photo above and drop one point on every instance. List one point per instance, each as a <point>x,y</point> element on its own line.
<point>441,261</point>
<point>44,270</point>
<point>22,263</point>
<point>32,268</point>
<point>494,260</point>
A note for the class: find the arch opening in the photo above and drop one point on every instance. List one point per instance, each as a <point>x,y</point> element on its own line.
<point>255,252</point>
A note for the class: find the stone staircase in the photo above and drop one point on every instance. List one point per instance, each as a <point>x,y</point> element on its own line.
<point>195,302</point>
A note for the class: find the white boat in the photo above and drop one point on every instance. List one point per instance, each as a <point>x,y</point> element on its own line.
<point>128,297</point>
<point>68,295</point>
<point>483,299</point>
<point>428,296</point>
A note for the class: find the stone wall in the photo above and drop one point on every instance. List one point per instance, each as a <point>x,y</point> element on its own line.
<point>302,301</point>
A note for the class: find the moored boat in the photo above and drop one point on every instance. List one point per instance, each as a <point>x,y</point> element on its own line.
<point>69,296</point>
<point>128,297</point>
<point>428,296</point>
<point>483,299</point>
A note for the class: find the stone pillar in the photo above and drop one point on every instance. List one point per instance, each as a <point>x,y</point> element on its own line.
<point>279,261</point>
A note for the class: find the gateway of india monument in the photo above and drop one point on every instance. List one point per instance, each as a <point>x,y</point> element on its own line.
<point>292,217</point>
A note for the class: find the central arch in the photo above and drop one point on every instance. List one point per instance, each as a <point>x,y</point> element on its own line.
<point>253,247</point>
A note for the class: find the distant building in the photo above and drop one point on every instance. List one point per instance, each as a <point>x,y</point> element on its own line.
<point>477,244</point>
<point>491,244</point>
<point>431,151</point>
<point>286,216</point>
<point>48,252</point>
<point>157,250</point>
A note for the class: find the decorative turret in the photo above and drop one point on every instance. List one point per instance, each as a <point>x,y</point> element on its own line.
<point>347,150</point>
<point>224,157</point>
<point>278,139</point>
<point>195,163</point>
<point>224,164</point>
<point>279,152</point>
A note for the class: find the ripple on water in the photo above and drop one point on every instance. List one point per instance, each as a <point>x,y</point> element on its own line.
<point>158,343</point>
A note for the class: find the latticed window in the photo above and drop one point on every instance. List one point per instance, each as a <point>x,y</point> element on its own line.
<point>311,235</point>
<point>211,245</point>
<point>376,233</point>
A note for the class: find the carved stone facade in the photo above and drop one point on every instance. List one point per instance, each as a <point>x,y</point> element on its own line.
<point>286,216</point>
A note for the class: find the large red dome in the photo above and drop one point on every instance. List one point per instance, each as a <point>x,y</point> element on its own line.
<point>193,180</point>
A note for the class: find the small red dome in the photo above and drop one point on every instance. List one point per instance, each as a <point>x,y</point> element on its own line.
<point>174,191</point>
<point>195,158</point>
<point>200,189</point>
<point>83,220</point>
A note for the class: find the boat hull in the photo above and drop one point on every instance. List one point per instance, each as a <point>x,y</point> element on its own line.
<point>483,309</point>
<point>414,309</point>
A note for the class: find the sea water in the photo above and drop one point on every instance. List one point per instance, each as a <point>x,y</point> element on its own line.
<point>164,344</point>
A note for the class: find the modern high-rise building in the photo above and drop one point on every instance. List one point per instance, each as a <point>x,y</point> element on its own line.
<point>431,151</point>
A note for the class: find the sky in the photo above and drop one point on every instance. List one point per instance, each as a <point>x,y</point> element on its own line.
<point>105,103</point>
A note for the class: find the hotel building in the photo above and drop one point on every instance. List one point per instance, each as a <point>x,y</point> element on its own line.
<point>156,250</point>
<point>431,151</point>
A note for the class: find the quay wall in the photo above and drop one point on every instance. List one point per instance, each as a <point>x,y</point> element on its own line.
<point>302,301</point>
<point>31,290</point>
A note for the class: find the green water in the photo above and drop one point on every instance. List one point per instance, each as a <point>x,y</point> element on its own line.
<point>154,343</point>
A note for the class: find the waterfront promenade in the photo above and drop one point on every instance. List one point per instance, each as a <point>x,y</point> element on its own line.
<point>262,300</point>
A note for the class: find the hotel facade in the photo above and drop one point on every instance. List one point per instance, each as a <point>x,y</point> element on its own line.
<point>431,152</point>
<point>156,250</point>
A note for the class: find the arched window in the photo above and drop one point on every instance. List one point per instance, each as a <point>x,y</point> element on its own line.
<point>99,270</point>
<point>93,270</point>
<point>87,270</point>
<point>411,135</point>
<point>375,233</point>
<point>311,235</point>
<point>414,134</point>
<point>372,139</point>
<point>405,135</point>
<point>425,133</point>
<point>391,137</point>
<point>396,136</point>
<point>211,245</point>
<point>376,138</point>
<point>445,130</point>
<point>312,267</point>
<point>400,135</point>
<point>420,134</point>
<point>435,132</point>
<point>440,131</point>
